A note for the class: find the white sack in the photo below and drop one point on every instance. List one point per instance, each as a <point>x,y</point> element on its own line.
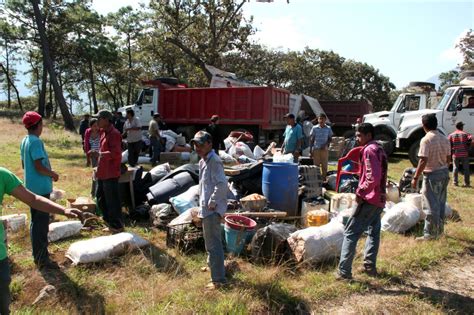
<point>258,152</point>
<point>161,170</point>
<point>64,229</point>
<point>186,200</point>
<point>414,199</point>
<point>316,244</point>
<point>170,142</point>
<point>100,248</point>
<point>15,222</point>
<point>170,133</point>
<point>239,149</point>
<point>144,160</point>
<point>125,156</point>
<point>283,158</point>
<point>226,158</point>
<point>400,218</point>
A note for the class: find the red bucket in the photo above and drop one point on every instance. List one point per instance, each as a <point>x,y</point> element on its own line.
<point>239,222</point>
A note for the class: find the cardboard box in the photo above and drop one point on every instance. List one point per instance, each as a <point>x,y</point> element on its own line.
<point>84,204</point>
<point>170,157</point>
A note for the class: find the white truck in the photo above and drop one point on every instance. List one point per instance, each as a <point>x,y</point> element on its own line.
<point>419,95</point>
<point>457,104</point>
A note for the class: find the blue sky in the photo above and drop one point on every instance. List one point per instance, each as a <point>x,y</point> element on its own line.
<point>406,40</point>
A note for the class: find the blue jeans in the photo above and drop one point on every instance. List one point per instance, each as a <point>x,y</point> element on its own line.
<point>465,167</point>
<point>434,193</point>
<point>211,226</point>
<point>108,200</point>
<point>4,286</point>
<point>156,149</point>
<point>365,218</point>
<point>39,228</point>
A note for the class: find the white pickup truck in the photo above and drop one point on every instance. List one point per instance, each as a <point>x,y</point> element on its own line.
<point>420,95</point>
<point>457,104</point>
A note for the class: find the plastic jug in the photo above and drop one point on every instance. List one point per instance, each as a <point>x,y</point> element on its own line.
<point>317,217</point>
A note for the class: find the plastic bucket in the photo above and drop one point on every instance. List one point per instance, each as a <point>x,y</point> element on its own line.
<point>280,186</point>
<point>238,229</point>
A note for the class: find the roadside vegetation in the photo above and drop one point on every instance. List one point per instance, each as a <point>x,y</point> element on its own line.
<point>161,280</point>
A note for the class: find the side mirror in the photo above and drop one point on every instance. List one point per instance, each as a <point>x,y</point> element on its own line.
<point>459,107</point>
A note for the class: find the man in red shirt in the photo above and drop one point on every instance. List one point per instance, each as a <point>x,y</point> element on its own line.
<point>108,172</point>
<point>460,143</point>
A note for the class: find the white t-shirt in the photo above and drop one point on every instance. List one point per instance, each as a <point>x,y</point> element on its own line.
<point>133,135</point>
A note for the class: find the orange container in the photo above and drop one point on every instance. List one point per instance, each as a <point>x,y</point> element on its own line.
<point>317,217</point>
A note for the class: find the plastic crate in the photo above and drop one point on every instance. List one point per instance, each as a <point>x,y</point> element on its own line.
<point>186,237</point>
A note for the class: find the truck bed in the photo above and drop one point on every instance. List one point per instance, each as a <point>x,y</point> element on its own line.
<point>345,113</point>
<point>262,106</point>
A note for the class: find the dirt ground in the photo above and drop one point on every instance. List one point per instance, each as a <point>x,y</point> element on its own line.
<point>447,288</point>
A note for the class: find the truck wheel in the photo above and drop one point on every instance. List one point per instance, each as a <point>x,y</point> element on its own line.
<point>413,153</point>
<point>386,141</point>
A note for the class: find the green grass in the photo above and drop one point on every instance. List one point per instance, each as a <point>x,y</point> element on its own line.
<point>159,280</point>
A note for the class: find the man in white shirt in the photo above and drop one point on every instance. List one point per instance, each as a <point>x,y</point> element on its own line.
<point>132,131</point>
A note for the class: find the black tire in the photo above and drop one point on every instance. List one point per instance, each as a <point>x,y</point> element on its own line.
<point>413,153</point>
<point>349,134</point>
<point>387,142</point>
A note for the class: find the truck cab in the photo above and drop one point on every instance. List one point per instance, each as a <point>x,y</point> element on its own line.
<point>457,104</point>
<point>386,123</point>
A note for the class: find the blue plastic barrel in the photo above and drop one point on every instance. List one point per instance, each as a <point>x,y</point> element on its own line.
<point>280,186</point>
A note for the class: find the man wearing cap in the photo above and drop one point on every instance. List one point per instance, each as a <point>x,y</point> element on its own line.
<point>435,157</point>
<point>133,131</point>
<point>212,204</point>
<point>460,143</point>
<point>155,139</point>
<point>108,172</point>
<point>293,137</point>
<point>213,130</point>
<point>39,179</point>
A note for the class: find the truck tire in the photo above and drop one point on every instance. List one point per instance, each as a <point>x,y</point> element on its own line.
<point>386,142</point>
<point>413,153</point>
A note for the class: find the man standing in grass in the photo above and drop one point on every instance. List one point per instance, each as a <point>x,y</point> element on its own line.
<point>108,172</point>
<point>133,131</point>
<point>11,185</point>
<point>371,198</point>
<point>435,155</point>
<point>39,179</point>
<point>212,203</point>
<point>460,143</point>
<point>321,135</point>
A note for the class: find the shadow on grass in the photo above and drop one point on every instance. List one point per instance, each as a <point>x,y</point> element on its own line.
<point>450,301</point>
<point>163,262</point>
<point>85,300</point>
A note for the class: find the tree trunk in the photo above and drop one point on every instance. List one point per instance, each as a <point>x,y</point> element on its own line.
<point>10,82</point>
<point>42,94</point>
<point>91,78</point>
<point>7,73</point>
<point>129,87</point>
<point>67,117</point>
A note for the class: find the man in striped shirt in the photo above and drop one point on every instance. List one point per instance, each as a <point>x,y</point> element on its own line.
<point>460,143</point>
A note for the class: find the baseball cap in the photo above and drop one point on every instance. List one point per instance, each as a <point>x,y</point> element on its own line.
<point>289,115</point>
<point>156,115</point>
<point>103,113</point>
<point>201,137</point>
<point>214,117</point>
<point>30,119</point>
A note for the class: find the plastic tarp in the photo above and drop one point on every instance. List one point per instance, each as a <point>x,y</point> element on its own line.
<point>307,103</point>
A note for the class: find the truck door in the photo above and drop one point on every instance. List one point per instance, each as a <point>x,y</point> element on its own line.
<point>145,106</point>
<point>466,114</point>
<point>409,103</point>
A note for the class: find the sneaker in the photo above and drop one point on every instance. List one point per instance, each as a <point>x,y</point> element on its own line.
<point>424,238</point>
<point>371,272</point>
<point>466,186</point>
<point>215,286</point>
<point>340,277</point>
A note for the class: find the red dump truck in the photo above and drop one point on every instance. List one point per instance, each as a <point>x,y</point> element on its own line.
<point>343,114</point>
<point>259,110</point>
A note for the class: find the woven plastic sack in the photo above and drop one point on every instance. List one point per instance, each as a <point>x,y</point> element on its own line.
<point>15,222</point>
<point>316,244</point>
<point>103,247</point>
<point>400,218</point>
<point>64,229</point>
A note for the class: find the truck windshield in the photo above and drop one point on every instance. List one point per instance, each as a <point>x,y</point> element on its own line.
<point>397,102</point>
<point>446,97</point>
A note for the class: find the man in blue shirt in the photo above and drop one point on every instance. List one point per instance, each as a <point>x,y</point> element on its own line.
<point>39,179</point>
<point>212,204</point>
<point>321,135</point>
<point>293,137</point>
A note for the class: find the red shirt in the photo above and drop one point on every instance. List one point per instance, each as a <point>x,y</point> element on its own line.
<point>460,142</point>
<point>109,164</point>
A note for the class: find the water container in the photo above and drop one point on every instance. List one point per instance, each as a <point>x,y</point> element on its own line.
<point>310,204</point>
<point>280,186</point>
<point>238,231</point>
<point>317,217</point>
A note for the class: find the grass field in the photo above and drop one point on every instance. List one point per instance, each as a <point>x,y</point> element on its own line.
<point>160,280</point>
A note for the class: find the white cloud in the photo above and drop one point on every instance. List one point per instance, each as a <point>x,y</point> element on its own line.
<point>284,33</point>
<point>453,53</point>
